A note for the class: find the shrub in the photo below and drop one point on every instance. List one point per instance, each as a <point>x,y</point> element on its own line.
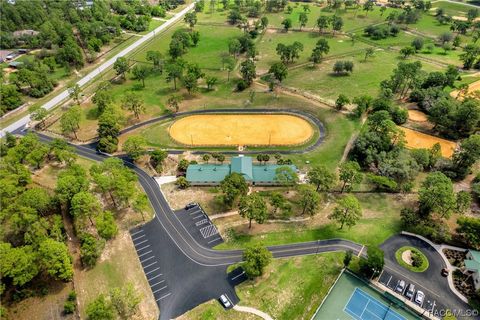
<point>242,85</point>
<point>68,307</point>
<point>417,259</point>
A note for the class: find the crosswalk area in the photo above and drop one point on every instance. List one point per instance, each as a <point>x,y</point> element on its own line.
<point>150,265</point>
<point>199,225</point>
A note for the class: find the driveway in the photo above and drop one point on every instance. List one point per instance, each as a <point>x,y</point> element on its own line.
<point>439,297</point>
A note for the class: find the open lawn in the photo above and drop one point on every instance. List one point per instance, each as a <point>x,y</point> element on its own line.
<point>290,289</point>
<point>381,219</point>
<point>364,79</point>
<point>453,9</point>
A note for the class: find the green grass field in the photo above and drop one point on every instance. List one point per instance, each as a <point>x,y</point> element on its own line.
<point>290,289</point>
<point>381,219</point>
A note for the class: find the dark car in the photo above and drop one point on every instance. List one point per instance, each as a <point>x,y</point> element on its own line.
<point>190,205</point>
<point>444,272</point>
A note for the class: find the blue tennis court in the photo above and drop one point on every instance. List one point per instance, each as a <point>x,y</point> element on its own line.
<point>362,306</point>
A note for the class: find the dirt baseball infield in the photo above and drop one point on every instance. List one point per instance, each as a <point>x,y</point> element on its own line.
<point>417,140</point>
<point>241,130</point>
<point>416,115</point>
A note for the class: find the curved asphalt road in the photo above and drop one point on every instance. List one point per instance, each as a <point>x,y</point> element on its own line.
<point>193,272</point>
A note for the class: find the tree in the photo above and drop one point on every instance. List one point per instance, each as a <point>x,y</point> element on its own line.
<point>140,73</point>
<point>156,58</point>
<point>368,6</point>
<point>206,157</point>
<point>337,23</point>
<point>182,183</point>
<point>303,19</point>
<point>469,229</point>
<point>125,300</point>
<point>74,93</point>
<point>407,51</point>
<point>436,195</point>
<point>70,121</point>
<point>229,64</point>
<point>233,186</point>
<point>464,201</point>
<point>309,199</point>
<point>417,44</point>
<point>347,258</point>
<point>347,212</point>
<point>350,174</point>
<point>468,153</point>
<point>174,72</point>
<point>69,183</point>
<point>121,66</point>
<point>211,81</point>
<point>341,101</point>
<point>141,204</point>
<point>322,178</point>
<point>279,71</point>
<point>133,102</point>
<point>322,23</point>
<point>285,175</point>
<point>322,47</point>
<point>173,102</point>
<point>38,113</point>
<point>256,258</point>
<point>369,52</point>
<point>10,98</point>
<point>277,200</point>
<point>373,265</point>
<point>18,264</point>
<point>55,259</point>
<point>85,205</point>
<point>234,47</point>
<point>102,99</point>
<point>253,207</point>
<point>287,24</point>
<point>90,249</point>
<point>248,71</point>
<point>106,226</point>
<point>100,309</point>
<point>134,147</point>
<point>190,19</point>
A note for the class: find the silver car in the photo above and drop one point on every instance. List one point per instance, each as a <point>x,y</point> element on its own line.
<point>419,298</point>
<point>400,286</point>
<point>226,303</point>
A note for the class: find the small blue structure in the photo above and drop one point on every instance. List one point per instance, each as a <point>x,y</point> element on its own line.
<point>255,174</point>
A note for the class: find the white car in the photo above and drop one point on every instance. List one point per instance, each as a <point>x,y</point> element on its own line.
<point>419,298</point>
<point>226,303</point>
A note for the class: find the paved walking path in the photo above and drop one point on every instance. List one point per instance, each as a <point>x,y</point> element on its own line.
<point>257,312</point>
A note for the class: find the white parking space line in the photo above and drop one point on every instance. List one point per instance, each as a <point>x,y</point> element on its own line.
<point>137,232</point>
<point>151,271</point>
<point>163,297</point>
<point>143,247</point>
<point>243,272</point>
<point>153,285</point>
<point>390,279</point>
<point>144,253</point>
<point>159,289</point>
<point>138,237</point>
<point>216,239</point>
<point>142,261</point>
<point>136,244</point>
<point>196,211</point>
<point>158,275</point>
<point>151,264</point>
<point>199,216</point>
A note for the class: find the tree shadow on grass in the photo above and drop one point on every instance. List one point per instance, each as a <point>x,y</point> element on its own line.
<point>92,114</point>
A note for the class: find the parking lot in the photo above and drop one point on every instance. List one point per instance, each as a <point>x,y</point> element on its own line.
<point>150,265</point>
<point>198,224</point>
<point>390,279</point>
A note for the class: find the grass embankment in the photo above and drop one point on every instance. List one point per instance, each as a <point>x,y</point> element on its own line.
<point>413,251</point>
<point>290,289</point>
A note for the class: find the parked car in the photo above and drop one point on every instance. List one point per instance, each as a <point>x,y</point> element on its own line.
<point>226,303</point>
<point>419,298</point>
<point>444,272</point>
<point>409,293</point>
<point>400,286</point>
<point>190,205</point>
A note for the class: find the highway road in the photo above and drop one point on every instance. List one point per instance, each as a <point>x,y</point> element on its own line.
<point>106,65</point>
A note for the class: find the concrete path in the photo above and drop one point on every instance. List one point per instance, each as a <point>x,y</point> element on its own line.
<point>256,312</point>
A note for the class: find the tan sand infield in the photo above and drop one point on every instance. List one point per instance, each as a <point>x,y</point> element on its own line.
<point>417,140</point>
<point>241,129</point>
<point>417,116</point>
<point>475,86</point>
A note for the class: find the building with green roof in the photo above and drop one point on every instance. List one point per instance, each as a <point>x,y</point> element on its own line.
<point>472,264</point>
<point>255,174</point>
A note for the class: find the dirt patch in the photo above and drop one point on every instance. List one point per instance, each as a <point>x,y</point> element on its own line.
<point>472,89</point>
<point>407,257</point>
<point>416,115</point>
<point>239,129</point>
<point>416,140</point>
